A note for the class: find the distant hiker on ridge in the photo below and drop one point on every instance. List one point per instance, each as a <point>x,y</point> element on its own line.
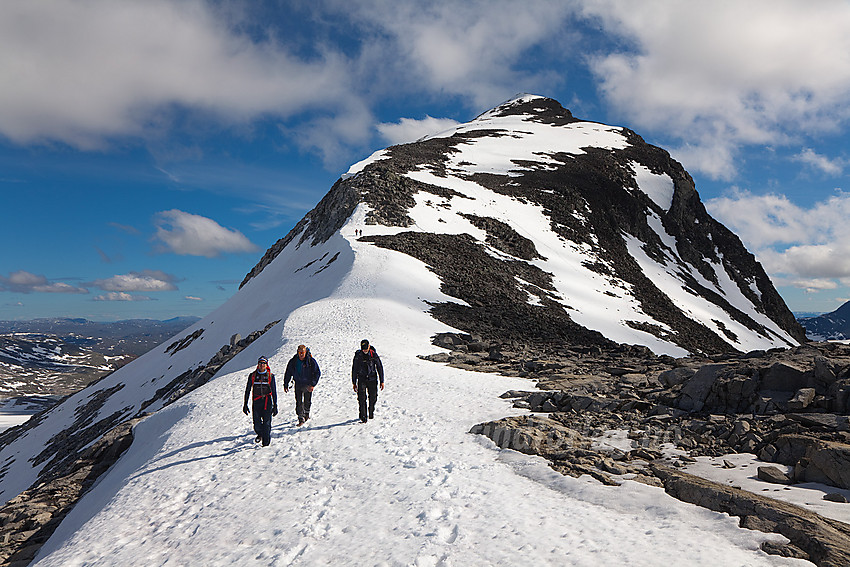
<point>304,370</point>
<point>366,370</point>
<point>261,386</point>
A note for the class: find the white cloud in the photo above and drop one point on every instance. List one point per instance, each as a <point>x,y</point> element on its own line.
<point>147,280</point>
<point>805,247</point>
<point>751,72</point>
<point>193,235</point>
<point>81,71</point>
<point>121,296</point>
<point>473,49</point>
<point>833,167</point>
<point>26,282</point>
<point>409,129</point>
<point>193,298</point>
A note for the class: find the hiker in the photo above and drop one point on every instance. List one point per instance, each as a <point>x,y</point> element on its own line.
<point>366,370</point>
<point>304,371</point>
<point>261,387</point>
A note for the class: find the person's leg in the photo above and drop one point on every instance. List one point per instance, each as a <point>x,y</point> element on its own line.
<point>373,398</point>
<point>299,403</point>
<point>361,400</point>
<point>267,425</point>
<point>307,402</point>
<point>256,413</point>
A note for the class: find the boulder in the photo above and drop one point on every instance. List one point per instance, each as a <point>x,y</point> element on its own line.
<point>786,377</point>
<point>696,390</point>
<point>802,399</point>
<point>820,461</point>
<point>532,435</point>
<point>773,475</point>
<point>676,376</point>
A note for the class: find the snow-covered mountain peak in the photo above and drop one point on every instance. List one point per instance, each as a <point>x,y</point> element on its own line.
<point>621,248</point>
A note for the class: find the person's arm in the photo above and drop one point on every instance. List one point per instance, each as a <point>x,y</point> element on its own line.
<point>317,372</point>
<point>354,372</point>
<point>247,395</point>
<point>274,394</point>
<point>290,371</point>
<point>380,367</point>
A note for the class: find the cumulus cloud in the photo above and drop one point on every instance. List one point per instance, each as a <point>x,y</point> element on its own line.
<point>193,235</point>
<point>26,282</point>
<point>730,72</point>
<point>107,69</point>
<point>468,49</point>
<point>833,167</point>
<point>147,281</point>
<point>409,129</point>
<point>79,72</point>
<point>805,247</point>
<point>121,296</point>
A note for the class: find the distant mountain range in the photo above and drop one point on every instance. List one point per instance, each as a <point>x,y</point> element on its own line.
<point>58,356</point>
<point>829,326</point>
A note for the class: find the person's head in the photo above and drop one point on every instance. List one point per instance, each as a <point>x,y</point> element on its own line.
<point>262,363</point>
<point>302,351</point>
<point>364,345</point>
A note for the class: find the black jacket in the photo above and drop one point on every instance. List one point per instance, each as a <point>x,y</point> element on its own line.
<point>367,366</point>
<point>309,375</point>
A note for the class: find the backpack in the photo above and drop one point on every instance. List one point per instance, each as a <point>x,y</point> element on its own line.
<point>371,365</point>
<point>262,388</point>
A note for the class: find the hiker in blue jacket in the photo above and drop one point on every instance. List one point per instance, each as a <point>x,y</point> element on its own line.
<point>261,387</point>
<point>304,371</point>
<point>366,370</point>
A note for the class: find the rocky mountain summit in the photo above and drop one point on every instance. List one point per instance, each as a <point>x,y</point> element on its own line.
<point>551,230</point>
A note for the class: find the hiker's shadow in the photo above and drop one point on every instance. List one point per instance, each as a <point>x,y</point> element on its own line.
<point>290,429</point>
<point>237,446</point>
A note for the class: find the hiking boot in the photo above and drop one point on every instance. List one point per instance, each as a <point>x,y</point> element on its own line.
<point>371,415</point>
<point>301,421</point>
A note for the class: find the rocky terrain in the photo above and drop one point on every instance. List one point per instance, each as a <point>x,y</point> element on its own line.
<point>785,406</point>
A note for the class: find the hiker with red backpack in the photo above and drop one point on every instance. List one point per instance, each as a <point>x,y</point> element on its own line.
<point>304,371</point>
<point>366,370</point>
<point>262,389</point>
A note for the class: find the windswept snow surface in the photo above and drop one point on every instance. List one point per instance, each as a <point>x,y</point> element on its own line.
<point>411,487</point>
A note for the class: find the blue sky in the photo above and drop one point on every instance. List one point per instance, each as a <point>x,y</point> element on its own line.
<point>152,150</point>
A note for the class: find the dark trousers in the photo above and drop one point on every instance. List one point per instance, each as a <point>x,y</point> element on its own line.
<point>303,400</point>
<point>262,410</point>
<point>364,387</point>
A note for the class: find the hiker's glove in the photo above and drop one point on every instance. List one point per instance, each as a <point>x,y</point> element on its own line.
<point>274,410</point>
<point>245,409</point>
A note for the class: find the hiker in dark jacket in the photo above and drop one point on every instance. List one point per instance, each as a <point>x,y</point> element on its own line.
<point>304,371</point>
<point>261,387</point>
<point>366,370</point>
